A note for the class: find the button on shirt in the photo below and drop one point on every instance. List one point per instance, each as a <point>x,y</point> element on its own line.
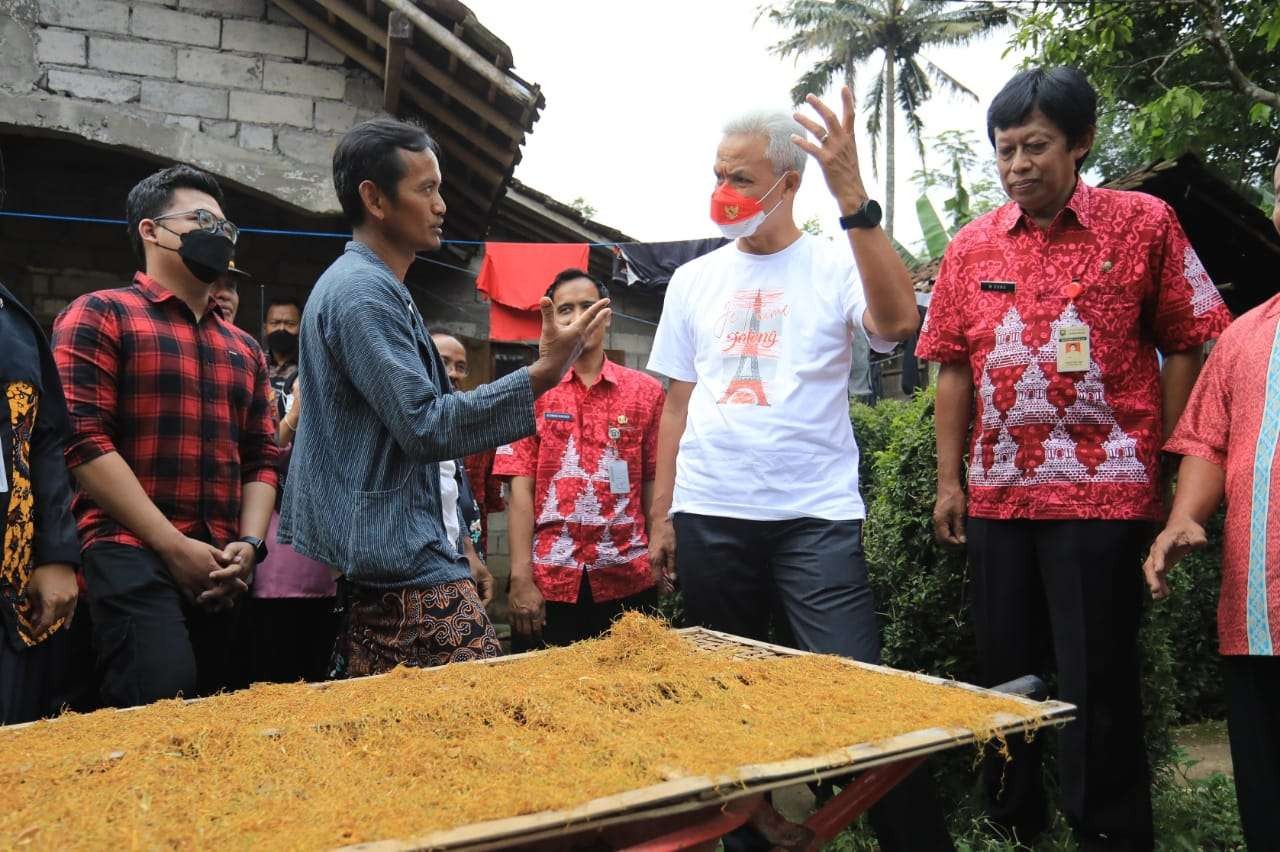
<point>184,400</point>
<point>1233,420</point>
<point>579,524</point>
<point>1081,444</point>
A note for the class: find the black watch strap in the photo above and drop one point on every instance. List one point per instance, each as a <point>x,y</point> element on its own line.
<point>259,546</point>
<point>866,216</point>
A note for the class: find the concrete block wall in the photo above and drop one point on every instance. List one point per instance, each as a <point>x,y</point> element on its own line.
<point>238,70</point>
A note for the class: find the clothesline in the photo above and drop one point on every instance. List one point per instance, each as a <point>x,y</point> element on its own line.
<point>100,220</point>
<point>275,232</point>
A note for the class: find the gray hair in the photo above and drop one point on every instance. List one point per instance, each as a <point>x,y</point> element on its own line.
<point>777,128</point>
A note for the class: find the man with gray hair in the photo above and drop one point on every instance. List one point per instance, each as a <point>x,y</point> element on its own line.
<point>756,506</point>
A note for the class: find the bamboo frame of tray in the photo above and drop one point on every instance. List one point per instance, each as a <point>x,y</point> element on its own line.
<point>690,794</point>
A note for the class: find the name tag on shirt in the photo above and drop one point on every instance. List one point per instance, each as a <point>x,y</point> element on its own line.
<point>996,286</point>
<point>619,477</point>
<point>1073,348</point>
<point>558,415</point>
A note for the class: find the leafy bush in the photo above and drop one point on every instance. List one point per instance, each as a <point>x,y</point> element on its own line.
<point>1190,617</point>
<point>922,589</point>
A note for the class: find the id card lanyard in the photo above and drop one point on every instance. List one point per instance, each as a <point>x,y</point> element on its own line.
<point>1073,338</point>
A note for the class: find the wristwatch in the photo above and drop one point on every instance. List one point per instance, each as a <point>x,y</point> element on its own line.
<point>866,216</point>
<point>259,547</point>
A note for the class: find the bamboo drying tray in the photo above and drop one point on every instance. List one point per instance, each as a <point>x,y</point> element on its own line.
<point>679,792</point>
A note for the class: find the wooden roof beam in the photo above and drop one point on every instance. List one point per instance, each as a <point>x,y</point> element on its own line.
<point>369,7</point>
<point>461,151</point>
<point>429,72</point>
<point>439,33</point>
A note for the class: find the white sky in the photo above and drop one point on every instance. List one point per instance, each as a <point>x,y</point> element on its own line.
<point>637,93</point>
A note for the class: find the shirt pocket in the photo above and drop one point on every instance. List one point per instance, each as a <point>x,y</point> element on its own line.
<point>391,533</point>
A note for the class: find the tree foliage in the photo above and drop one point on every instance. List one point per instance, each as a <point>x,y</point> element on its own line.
<point>844,33</point>
<point>1172,75</point>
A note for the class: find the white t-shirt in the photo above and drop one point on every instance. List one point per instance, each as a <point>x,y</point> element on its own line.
<point>767,339</point>
<point>449,501</point>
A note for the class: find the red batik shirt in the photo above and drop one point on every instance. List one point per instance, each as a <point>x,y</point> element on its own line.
<point>487,489</point>
<point>579,524</point>
<point>1233,421</point>
<point>184,401</point>
<point>1082,444</point>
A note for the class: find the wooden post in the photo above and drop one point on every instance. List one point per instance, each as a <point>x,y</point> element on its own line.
<point>399,37</point>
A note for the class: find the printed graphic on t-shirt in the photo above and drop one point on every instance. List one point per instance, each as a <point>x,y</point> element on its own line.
<point>748,331</point>
<point>1040,426</point>
<point>580,499</point>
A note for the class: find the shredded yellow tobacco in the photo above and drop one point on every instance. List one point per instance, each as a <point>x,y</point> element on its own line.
<point>288,766</point>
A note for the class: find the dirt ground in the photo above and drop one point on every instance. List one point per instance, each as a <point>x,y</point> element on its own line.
<point>1206,743</point>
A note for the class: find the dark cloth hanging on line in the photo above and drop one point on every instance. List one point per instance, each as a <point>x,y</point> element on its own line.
<point>649,266</point>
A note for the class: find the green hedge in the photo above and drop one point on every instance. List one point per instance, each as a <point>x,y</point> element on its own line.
<point>922,588</point>
<point>922,592</point>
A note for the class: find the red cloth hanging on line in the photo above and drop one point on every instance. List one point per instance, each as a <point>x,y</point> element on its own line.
<point>514,276</point>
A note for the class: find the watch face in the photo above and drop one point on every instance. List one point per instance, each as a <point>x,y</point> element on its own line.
<point>871,210</point>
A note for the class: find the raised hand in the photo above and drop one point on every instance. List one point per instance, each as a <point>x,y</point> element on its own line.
<point>835,149</point>
<point>560,345</point>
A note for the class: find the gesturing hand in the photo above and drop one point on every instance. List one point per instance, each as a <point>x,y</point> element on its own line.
<point>560,345</point>
<point>1179,538</point>
<point>835,150</point>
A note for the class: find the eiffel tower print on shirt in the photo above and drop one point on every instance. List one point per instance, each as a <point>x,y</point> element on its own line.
<point>751,343</point>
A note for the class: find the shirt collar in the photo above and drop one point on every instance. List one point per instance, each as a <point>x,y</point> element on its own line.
<point>158,294</point>
<point>369,255</point>
<point>1080,204</point>
<point>608,373</point>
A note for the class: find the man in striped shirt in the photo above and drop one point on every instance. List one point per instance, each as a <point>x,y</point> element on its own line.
<point>364,492</point>
<point>1227,438</point>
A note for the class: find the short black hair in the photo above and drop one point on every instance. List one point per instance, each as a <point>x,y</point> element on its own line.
<point>283,300</point>
<point>573,274</point>
<point>1064,95</point>
<point>371,151</point>
<point>151,196</point>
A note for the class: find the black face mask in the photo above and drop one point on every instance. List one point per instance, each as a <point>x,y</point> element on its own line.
<point>283,342</point>
<point>205,255</point>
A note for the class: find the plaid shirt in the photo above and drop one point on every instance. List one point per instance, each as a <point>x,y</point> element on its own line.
<point>184,402</point>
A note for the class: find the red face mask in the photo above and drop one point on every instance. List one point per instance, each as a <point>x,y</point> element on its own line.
<point>739,215</point>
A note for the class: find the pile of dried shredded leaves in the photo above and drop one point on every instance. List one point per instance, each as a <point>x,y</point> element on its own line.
<point>419,750</point>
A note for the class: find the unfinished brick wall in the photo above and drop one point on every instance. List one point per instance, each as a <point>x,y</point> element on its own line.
<point>235,69</point>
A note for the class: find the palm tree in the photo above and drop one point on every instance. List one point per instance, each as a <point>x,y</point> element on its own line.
<point>847,32</point>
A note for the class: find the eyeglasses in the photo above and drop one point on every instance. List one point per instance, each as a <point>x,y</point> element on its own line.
<point>205,221</point>
<point>459,367</point>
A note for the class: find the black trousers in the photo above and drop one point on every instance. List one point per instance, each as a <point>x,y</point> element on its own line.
<point>1068,595</point>
<point>585,619</point>
<point>43,680</point>
<point>148,642</point>
<point>289,639</point>
<point>809,576</point>
<point>1253,725</point>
